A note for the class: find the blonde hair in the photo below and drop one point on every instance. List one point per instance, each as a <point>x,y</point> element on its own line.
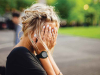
<point>34,19</point>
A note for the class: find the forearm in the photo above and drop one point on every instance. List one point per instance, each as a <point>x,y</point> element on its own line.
<point>47,66</point>
<point>55,67</point>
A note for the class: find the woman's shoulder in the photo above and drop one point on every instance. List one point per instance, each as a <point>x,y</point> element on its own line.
<point>21,53</point>
<point>18,51</point>
<point>23,58</point>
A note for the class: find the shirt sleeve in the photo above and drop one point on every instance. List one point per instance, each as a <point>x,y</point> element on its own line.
<point>22,62</point>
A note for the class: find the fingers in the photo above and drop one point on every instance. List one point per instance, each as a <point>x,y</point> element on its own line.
<point>49,30</point>
<point>43,31</point>
<point>54,36</point>
<point>52,33</point>
<point>49,35</point>
<point>55,32</point>
<point>46,30</point>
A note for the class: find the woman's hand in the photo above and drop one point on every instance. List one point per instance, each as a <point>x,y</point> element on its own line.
<point>48,36</point>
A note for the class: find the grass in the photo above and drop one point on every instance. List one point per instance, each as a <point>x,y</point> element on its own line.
<point>90,32</point>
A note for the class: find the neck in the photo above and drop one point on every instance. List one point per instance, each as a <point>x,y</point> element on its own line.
<point>25,42</point>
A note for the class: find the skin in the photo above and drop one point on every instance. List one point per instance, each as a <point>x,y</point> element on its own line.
<point>16,20</point>
<point>48,37</point>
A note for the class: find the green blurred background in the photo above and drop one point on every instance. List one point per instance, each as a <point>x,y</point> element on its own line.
<point>78,17</point>
<point>77,51</point>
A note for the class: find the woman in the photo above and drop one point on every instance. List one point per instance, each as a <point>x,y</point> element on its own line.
<point>32,55</point>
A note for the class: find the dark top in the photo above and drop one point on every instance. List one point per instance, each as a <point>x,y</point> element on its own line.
<point>22,62</point>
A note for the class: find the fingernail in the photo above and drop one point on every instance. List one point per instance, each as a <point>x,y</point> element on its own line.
<point>55,28</point>
<point>52,30</point>
<point>43,26</point>
<point>47,25</point>
<point>34,35</point>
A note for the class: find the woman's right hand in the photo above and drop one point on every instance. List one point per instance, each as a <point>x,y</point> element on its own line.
<point>48,36</point>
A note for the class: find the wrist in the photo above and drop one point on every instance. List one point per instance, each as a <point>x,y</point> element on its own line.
<point>39,51</point>
<point>40,48</point>
<point>42,55</point>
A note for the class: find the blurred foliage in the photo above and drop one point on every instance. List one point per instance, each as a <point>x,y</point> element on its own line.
<point>10,5</point>
<point>72,11</point>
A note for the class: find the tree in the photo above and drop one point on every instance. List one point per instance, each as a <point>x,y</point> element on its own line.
<point>73,10</point>
<point>14,4</point>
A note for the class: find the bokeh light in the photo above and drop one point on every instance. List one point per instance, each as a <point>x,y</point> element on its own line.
<point>86,6</point>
